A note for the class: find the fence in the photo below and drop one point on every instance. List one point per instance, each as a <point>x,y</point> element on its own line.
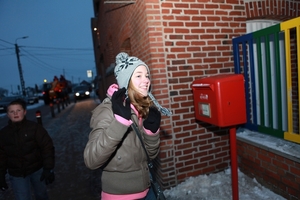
<point>269,59</point>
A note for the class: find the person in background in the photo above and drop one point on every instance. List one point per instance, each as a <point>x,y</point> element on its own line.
<point>113,145</point>
<point>26,154</point>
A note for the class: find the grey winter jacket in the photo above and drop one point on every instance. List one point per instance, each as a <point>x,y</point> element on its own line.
<point>117,149</point>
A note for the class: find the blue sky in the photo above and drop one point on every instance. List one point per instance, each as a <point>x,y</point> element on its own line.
<point>59,41</point>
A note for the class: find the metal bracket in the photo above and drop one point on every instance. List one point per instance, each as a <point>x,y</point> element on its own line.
<point>127,2</point>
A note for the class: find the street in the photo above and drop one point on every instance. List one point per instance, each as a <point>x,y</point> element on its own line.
<point>69,131</point>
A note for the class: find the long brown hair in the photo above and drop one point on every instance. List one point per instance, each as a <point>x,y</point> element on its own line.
<point>140,102</point>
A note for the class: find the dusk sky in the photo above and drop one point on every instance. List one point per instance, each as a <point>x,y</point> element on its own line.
<point>59,41</point>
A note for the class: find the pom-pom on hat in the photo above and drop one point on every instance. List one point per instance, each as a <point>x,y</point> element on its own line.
<point>125,66</point>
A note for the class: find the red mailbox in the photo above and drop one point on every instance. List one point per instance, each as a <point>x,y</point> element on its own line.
<point>220,99</point>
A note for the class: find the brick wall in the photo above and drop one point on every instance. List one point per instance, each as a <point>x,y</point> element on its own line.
<point>272,9</point>
<point>197,42</point>
<point>180,41</point>
<point>277,172</point>
<point>294,80</point>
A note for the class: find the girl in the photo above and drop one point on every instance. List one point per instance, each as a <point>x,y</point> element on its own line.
<point>113,145</point>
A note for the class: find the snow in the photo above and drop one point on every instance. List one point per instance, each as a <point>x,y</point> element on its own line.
<point>218,187</point>
<point>268,142</point>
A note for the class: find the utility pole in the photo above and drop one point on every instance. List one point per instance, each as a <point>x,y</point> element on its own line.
<point>20,66</point>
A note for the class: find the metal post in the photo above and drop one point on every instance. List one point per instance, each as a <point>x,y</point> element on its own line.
<point>52,110</point>
<point>62,100</point>
<point>58,105</point>
<point>38,116</point>
<point>20,66</point>
<point>234,165</point>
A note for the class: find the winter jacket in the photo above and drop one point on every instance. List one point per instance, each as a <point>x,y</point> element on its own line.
<point>116,148</point>
<point>25,147</point>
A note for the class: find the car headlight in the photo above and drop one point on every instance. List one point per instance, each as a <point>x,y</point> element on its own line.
<point>87,93</point>
<point>77,94</point>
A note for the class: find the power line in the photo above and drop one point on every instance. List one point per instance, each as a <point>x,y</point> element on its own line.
<point>53,48</point>
<point>7,42</point>
<point>40,60</point>
<point>39,56</point>
<point>60,56</point>
<point>58,48</point>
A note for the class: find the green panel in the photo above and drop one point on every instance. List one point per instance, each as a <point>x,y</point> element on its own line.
<point>270,131</point>
<point>278,82</point>
<point>267,31</point>
<point>258,35</point>
<point>260,81</point>
<point>269,81</point>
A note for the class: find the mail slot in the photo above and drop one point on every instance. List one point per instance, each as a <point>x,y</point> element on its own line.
<point>220,99</point>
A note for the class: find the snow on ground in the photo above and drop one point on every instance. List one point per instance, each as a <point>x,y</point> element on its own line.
<point>218,187</point>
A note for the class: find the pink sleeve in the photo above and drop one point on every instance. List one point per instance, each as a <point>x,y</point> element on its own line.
<point>114,87</point>
<point>107,196</point>
<point>148,132</point>
<point>123,120</point>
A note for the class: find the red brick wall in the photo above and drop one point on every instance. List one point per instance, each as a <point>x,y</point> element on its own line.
<point>272,9</point>
<point>294,80</point>
<point>197,42</point>
<point>278,173</point>
<point>180,41</point>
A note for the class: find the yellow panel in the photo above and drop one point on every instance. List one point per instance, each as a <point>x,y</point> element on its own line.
<point>292,137</point>
<point>290,24</point>
<point>288,79</point>
<point>286,26</point>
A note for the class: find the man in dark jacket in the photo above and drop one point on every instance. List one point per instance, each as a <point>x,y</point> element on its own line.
<point>26,153</point>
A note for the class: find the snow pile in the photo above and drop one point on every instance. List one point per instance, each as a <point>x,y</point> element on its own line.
<point>218,187</point>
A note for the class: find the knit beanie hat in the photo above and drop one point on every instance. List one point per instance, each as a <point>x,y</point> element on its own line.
<point>125,66</point>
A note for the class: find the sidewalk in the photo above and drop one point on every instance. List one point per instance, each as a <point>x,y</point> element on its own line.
<point>69,131</point>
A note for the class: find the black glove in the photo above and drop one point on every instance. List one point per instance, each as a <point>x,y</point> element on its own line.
<point>48,176</point>
<point>3,185</point>
<point>118,106</point>
<point>152,122</point>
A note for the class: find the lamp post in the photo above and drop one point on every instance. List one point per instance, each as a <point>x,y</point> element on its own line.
<point>20,66</point>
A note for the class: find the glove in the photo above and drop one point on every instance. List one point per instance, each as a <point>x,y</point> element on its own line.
<point>152,122</point>
<point>118,106</point>
<point>48,176</point>
<point>3,185</point>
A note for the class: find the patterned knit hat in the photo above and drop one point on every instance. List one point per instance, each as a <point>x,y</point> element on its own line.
<point>125,66</point>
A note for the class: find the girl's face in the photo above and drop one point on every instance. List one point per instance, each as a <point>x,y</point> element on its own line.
<point>140,80</point>
<point>16,113</point>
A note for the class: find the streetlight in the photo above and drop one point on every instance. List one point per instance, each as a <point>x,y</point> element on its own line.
<point>20,66</point>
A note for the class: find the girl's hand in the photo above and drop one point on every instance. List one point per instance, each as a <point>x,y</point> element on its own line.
<point>120,105</point>
<point>152,122</point>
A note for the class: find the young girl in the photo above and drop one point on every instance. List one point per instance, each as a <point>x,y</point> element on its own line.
<point>113,145</point>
